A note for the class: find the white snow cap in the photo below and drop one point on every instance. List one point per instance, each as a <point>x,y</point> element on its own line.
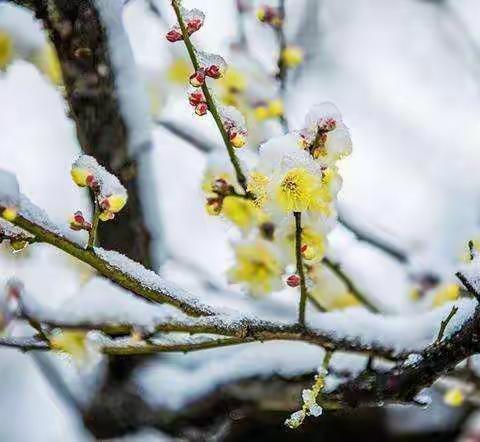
<point>107,182</point>
<point>9,190</point>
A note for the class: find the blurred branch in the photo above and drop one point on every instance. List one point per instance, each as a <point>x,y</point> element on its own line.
<point>373,239</point>
<point>189,136</point>
<point>351,287</point>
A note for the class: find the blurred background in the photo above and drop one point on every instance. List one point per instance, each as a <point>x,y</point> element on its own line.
<point>405,75</point>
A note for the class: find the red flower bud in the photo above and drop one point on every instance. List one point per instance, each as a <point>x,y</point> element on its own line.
<point>196,98</point>
<point>198,78</point>
<point>174,35</point>
<point>201,109</point>
<point>213,71</point>
<point>78,217</point>
<point>194,25</point>
<point>221,186</point>
<point>293,281</point>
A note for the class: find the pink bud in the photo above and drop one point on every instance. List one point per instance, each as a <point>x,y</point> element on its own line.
<point>201,109</point>
<point>213,71</point>
<point>293,281</point>
<point>174,35</point>
<point>78,217</point>
<point>194,25</point>
<point>198,78</point>
<point>196,98</point>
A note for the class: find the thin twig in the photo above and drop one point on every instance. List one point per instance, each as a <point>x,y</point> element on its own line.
<point>374,241</point>
<point>471,289</point>
<point>335,268</point>
<point>210,101</point>
<point>444,323</point>
<point>300,269</point>
<point>92,235</point>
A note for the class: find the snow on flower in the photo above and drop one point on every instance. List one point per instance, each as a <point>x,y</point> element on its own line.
<point>213,65</point>
<point>234,124</point>
<point>110,193</point>
<point>325,136</point>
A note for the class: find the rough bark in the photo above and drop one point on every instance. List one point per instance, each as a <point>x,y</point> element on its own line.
<point>81,43</point>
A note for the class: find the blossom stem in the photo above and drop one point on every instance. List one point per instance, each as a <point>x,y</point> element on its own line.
<point>300,269</point>
<point>92,235</point>
<point>282,68</point>
<point>335,268</point>
<point>210,101</point>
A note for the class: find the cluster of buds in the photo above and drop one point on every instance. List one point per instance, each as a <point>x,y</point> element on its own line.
<point>197,79</point>
<point>109,193</point>
<point>221,189</point>
<point>270,15</point>
<point>78,222</point>
<point>197,99</point>
<point>193,20</point>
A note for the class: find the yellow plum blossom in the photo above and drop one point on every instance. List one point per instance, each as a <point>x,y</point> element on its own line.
<point>299,191</point>
<point>241,211</point>
<point>257,266</point>
<point>257,185</point>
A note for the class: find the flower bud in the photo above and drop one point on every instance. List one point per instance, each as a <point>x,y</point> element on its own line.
<point>213,71</point>
<point>269,15</point>
<point>197,79</point>
<point>237,139</point>
<point>174,35</point>
<point>9,213</point>
<point>106,216</point>
<point>17,245</point>
<point>214,206</point>
<point>77,222</point>
<point>201,109</point>
<point>292,56</point>
<point>81,177</point>
<point>293,281</point>
<point>221,186</point>
<point>309,253</point>
<point>194,25</point>
<point>113,203</point>
<point>275,108</point>
<point>196,97</point>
